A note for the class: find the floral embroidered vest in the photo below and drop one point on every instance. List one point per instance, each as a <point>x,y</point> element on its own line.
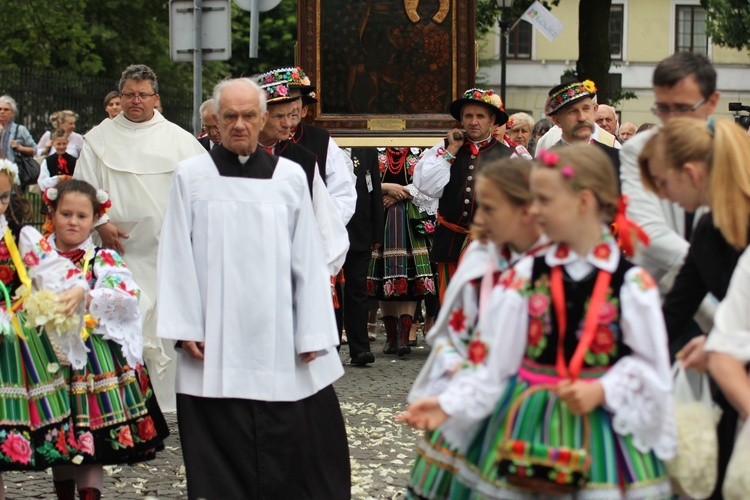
<point>607,346</point>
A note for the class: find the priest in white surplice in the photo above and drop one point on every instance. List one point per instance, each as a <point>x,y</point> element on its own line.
<point>244,289</point>
<point>133,157</point>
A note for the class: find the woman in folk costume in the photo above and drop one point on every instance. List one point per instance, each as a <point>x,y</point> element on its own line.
<point>115,414</point>
<point>503,220</point>
<point>400,271</point>
<point>582,401</point>
<point>35,429</point>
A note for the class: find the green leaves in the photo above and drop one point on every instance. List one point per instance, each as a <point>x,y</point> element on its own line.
<point>728,22</point>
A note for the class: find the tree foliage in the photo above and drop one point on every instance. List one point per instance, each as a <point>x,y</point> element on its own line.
<point>728,22</point>
<point>102,37</point>
<point>487,13</point>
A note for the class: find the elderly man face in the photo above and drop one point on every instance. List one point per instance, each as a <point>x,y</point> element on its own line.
<point>240,118</point>
<point>627,130</point>
<point>211,125</point>
<point>138,100</point>
<point>279,123</point>
<point>606,118</point>
<point>576,120</point>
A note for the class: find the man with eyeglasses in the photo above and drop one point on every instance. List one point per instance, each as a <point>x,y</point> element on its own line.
<point>211,135</point>
<point>684,85</point>
<point>133,157</point>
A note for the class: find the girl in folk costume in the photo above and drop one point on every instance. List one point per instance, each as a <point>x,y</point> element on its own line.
<point>580,377</point>
<point>56,167</point>
<point>115,415</point>
<point>400,271</point>
<point>458,361</point>
<point>35,429</point>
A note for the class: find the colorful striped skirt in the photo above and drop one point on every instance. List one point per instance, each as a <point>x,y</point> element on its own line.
<point>401,269</point>
<point>35,428</point>
<point>618,470</point>
<point>114,411</point>
<point>432,472</point>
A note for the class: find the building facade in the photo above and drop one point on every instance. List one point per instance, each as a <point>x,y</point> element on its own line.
<point>642,32</point>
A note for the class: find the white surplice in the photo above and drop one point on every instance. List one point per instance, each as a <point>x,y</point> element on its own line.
<point>134,162</point>
<point>241,268</point>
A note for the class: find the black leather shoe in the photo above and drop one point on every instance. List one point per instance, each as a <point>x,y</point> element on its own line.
<point>363,358</point>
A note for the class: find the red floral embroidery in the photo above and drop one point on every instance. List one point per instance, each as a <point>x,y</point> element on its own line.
<point>17,448</point>
<point>107,258</point>
<point>370,287</point>
<point>44,245</point>
<point>143,379</point>
<point>604,340</point>
<point>60,444</point>
<point>124,437</point>
<point>6,274</point>
<point>477,351</point>
<point>4,253</point>
<point>31,259</point>
<point>608,313</point>
<point>146,429</point>
<point>644,280</point>
<point>401,286</point>
<point>562,251</point>
<point>602,251</point>
<point>536,331</point>
<point>419,287</point>
<point>72,272</point>
<point>458,320</point>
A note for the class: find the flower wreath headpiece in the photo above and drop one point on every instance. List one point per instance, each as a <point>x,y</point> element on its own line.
<point>102,197</point>
<point>12,170</point>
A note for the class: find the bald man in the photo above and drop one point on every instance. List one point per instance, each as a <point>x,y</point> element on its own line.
<point>627,130</point>
<point>606,118</point>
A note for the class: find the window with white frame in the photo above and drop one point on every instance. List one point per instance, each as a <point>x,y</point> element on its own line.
<point>690,29</point>
<point>519,41</point>
<point>616,31</point>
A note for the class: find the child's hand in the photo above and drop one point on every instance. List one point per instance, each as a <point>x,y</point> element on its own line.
<point>694,355</point>
<point>581,397</point>
<point>70,299</point>
<point>424,414</point>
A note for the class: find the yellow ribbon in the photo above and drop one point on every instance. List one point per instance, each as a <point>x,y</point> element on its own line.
<point>89,322</point>
<point>22,275</point>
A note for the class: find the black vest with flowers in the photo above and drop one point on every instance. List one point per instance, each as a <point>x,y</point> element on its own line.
<point>457,202</point>
<point>607,346</point>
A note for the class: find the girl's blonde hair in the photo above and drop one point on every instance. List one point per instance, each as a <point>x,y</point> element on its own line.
<point>725,148</point>
<point>585,166</point>
<point>511,177</point>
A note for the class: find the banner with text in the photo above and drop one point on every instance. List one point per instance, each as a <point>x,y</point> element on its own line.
<point>538,15</point>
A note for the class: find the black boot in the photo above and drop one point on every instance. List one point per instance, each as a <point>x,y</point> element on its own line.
<point>65,490</point>
<point>403,338</point>
<point>391,333</point>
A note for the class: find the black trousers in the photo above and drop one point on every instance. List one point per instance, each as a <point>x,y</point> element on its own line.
<point>356,305</point>
<point>237,449</point>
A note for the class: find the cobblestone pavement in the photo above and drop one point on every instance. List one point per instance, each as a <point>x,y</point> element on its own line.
<point>381,450</point>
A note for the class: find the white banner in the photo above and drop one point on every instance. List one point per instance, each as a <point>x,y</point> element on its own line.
<point>543,20</point>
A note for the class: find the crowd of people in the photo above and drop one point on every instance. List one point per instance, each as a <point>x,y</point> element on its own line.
<point>562,266</point>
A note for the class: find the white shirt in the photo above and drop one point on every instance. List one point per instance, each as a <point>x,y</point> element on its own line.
<point>241,268</point>
<point>75,145</point>
<point>731,333</point>
<point>340,181</point>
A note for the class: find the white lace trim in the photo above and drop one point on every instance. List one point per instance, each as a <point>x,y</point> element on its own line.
<point>425,204</point>
<point>119,320</point>
<point>13,391</point>
<point>47,388</point>
<point>640,409</point>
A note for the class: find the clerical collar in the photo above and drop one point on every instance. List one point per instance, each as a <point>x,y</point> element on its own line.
<point>243,159</point>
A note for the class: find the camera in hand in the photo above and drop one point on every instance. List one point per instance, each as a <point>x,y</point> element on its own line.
<point>742,120</point>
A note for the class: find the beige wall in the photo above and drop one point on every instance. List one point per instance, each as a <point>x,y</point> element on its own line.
<point>649,37</point>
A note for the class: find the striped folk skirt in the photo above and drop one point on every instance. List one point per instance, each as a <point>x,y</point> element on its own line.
<point>114,411</point>
<point>35,427</point>
<point>433,468</point>
<point>401,269</point>
<point>618,470</point>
